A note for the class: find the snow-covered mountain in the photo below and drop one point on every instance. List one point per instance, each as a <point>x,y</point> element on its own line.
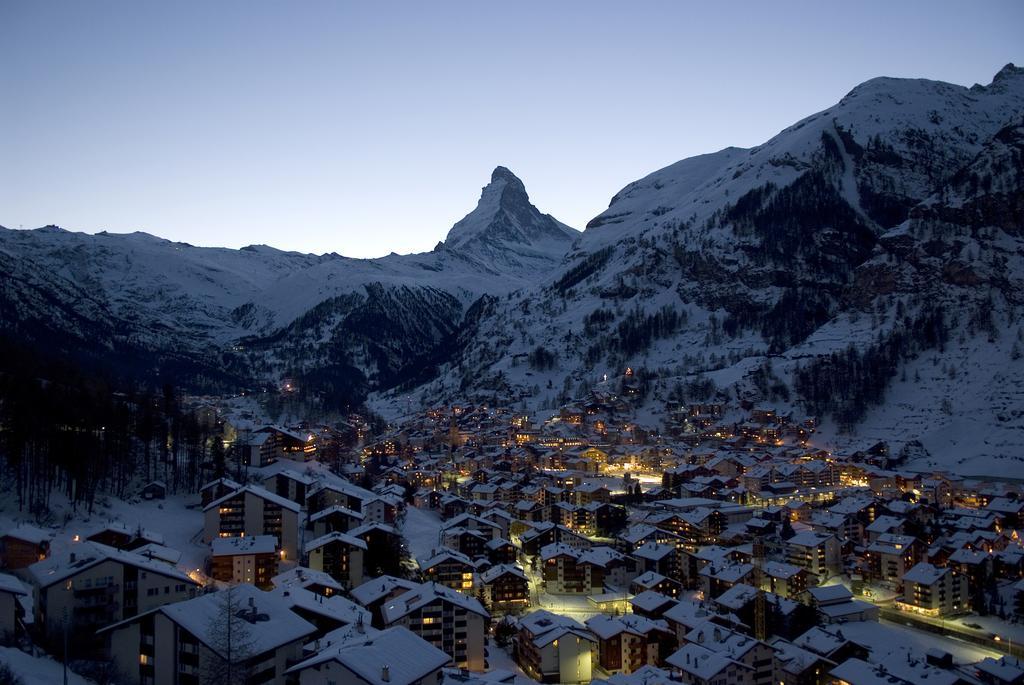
<point>864,266</point>
<point>262,312</point>
<point>744,271</point>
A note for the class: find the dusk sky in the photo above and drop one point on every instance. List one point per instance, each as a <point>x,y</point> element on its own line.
<point>369,128</point>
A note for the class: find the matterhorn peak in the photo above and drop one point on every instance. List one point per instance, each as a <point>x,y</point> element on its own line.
<point>504,218</point>
<point>502,173</point>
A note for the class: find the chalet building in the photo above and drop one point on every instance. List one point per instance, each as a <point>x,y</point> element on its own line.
<point>817,553</point>
<point>122,536</point>
<point>449,568</point>
<point>449,620</point>
<point>890,556</point>
<point>23,546</point>
<point>715,654</point>
<point>290,484</point>
<point>472,543</point>
<point>250,560</point>
<point>835,604</point>
<point>317,582</point>
<point>651,604</point>
<point>564,575</point>
<point>282,443</point>
<point>627,643</point>
<point>588,493</point>
<point>490,529</point>
<point>396,656</point>
<point>545,534</point>
<point>248,450</point>
<point>785,580</point>
<point>505,588</point>
<point>216,489</point>
<point>339,555</point>
<point>884,525</point>
<point>378,538</point>
<point>609,567</point>
<point>382,509</point>
<point>831,643</point>
<point>155,489</point>
<point>12,613</point>
<point>501,551</point>
<point>179,644</point>
<point>325,495</point>
<point>652,557</point>
<point>797,666</point>
<point>327,614</point>
<point>376,593</point>
<point>251,511</point>
<point>688,614</point>
<point>716,579</point>
<point>655,582</point>
<point>602,518</point>
<point>554,649</point>
<point>335,518</point>
<point>95,585</point>
<point>934,591</point>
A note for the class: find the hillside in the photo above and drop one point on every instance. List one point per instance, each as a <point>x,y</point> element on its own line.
<point>739,273</point>
<point>146,306</point>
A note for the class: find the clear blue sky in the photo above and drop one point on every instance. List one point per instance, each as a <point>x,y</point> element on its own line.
<point>365,128</point>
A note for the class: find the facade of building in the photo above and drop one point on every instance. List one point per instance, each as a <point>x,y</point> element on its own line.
<point>250,560</point>
<point>254,511</point>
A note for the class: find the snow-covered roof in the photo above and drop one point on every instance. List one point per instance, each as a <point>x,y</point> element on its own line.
<point>395,656</point>
<point>337,509</point>
<point>649,600</point>
<point>425,594</point>
<point>334,607</point>
<point>257,491</point>
<point>545,627</point>
<point>11,585</point>
<point>335,536</point>
<point>29,533</point>
<point>606,627</point>
<point>495,572</point>
<point>300,576</point>
<point>828,594</point>
<point>701,662</point>
<point>924,573</point>
<point>88,554</point>
<point>204,617</point>
<point>373,590</point>
<point>808,539</point>
<point>250,544</point>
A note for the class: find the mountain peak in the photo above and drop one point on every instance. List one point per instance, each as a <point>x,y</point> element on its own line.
<point>503,173</point>
<point>505,220</point>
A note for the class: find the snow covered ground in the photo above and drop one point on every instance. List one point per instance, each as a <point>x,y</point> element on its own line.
<point>499,659</point>
<point>37,670</point>
<point>422,530</point>
<point>179,519</point>
<point>885,639</point>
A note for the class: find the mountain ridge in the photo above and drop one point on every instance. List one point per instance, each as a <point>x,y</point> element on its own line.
<point>873,242</point>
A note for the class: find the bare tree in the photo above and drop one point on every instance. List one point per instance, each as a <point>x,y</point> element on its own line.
<point>231,639</point>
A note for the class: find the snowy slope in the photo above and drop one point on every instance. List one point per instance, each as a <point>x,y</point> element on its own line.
<point>154,295</point>
<point>737,269</point>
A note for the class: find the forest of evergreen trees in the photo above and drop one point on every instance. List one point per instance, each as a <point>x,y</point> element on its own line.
<point>62,431</point>
<point>846,384</point>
